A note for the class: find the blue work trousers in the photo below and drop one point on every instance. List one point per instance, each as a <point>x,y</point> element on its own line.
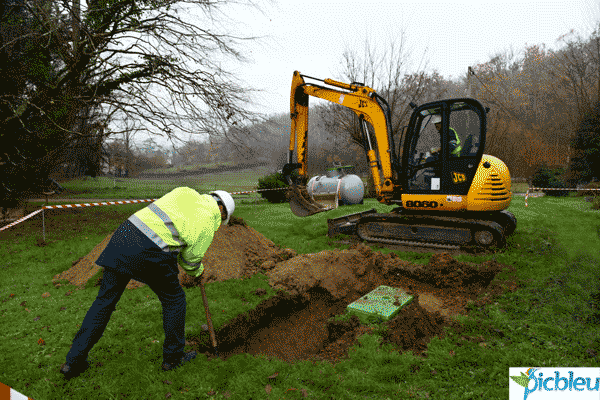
<point>132,255</point>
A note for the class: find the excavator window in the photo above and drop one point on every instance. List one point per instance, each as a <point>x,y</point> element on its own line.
<point>423,161</point>
<point>432,162</point>
<point>429,140</point>
<point>466,125</point>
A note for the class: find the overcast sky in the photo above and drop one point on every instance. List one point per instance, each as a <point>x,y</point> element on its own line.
<point>311,35</point>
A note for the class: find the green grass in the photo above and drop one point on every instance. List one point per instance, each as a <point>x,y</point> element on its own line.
<point>541,324</point>
<point>134,188</point>
<point>194,167</point>
<point>519,187</point>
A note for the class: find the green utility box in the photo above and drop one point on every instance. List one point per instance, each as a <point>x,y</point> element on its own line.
<point>377,305</point>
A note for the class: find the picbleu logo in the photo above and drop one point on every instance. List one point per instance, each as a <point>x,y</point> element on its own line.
<point>556,383</point>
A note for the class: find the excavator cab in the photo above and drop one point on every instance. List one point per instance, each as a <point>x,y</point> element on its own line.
<point>443,161</point>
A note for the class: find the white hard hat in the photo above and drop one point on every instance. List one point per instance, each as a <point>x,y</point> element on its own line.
<point>225,198</point>
<point>436,119</point>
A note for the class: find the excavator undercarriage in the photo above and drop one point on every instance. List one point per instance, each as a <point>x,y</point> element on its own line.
<point>468,230</point>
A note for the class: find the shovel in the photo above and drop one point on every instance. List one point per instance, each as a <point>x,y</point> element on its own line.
<point>210,325</point>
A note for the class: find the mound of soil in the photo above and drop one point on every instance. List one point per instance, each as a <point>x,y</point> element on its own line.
<point>297,323</point>
<point>237,251</point>
<point>8,215</point>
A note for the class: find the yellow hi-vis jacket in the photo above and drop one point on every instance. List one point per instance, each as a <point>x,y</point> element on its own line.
<point>455,144</point>
<point>183,221</point>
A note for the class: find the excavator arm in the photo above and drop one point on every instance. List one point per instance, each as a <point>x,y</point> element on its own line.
<point>365,102</point>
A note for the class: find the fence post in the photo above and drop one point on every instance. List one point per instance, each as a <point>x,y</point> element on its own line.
<point>43,225</point>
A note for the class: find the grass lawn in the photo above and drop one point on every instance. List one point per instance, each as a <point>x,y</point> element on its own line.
<point>132,188</point>
<point>519,187</point>
<point>173,170</point>
<point>547,322</point>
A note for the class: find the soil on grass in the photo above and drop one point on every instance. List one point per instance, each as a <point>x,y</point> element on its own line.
<point>236,252</point>
<point>296,324</point>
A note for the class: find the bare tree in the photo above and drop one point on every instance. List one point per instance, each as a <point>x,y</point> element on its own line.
<point>575,72</point>
<point>388,74</point>
<point>193,152</point>
<point>98,70</point>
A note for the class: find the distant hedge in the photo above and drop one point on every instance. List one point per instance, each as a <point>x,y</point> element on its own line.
<point>545,177</point>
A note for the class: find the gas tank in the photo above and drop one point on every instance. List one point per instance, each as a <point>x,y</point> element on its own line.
<point>351,187</point>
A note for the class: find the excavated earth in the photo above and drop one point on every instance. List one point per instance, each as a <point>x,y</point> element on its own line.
<point>296,323</point>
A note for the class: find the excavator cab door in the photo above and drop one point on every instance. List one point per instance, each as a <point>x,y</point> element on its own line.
<point>434,161</point>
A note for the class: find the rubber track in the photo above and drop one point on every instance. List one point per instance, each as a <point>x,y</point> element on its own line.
<point>409,243</point>
<point>431,220</point>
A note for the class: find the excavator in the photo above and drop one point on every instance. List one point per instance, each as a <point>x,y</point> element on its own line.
<point>446,196</point>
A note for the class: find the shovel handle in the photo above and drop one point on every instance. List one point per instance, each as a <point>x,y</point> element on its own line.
<point>208,318</point>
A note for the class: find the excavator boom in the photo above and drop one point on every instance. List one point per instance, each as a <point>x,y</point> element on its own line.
<point>360,99</point>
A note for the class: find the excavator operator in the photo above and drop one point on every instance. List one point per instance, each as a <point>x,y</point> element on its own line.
<point>455,146</point>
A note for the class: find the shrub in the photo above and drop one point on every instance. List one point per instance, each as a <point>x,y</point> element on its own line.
<point>591,185</point>
<point>275,181</point>
<point>594,194</point>
<point>545,177</point>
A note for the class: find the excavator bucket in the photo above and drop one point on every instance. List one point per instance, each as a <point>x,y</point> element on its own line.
<point>301,203</point>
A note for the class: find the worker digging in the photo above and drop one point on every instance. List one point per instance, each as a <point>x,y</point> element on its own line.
<point>176,229</point>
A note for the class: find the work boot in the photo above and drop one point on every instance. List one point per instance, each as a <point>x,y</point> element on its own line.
<point>189,356</point>
<point>73,370</point>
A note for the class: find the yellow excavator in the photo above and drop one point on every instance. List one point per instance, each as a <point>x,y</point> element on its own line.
<point>448,194</point>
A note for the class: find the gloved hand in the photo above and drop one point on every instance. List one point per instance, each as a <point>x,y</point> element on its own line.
<point>198,273</point>
<point>195,274</point>
<point>200,278</point>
